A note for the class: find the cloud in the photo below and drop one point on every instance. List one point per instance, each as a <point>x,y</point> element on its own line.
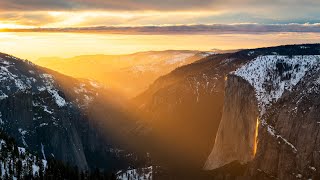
<point>62,19</point>
<point>188,29</point>
<point>159,5</point>
<point>156,12</point>
<point>103,5</point>
<point>27,19</point>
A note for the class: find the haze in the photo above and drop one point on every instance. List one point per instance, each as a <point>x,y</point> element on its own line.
<point>32,46</point>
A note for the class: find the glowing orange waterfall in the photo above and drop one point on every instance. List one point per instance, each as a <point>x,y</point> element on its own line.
<point>256,138</point>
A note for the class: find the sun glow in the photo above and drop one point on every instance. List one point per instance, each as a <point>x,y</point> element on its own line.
<point>93,18</point>
<point>256,138</point>
<point>11,26</point>
<point>34,45</point>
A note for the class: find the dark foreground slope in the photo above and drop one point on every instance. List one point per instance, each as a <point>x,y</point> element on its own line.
<point>58,116</point>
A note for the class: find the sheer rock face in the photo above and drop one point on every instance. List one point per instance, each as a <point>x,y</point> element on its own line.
<point>235,140</point>
<point>283,91</point>
<point>289,142</point>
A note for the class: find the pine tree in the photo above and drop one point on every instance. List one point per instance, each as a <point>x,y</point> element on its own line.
<point>19,168</point>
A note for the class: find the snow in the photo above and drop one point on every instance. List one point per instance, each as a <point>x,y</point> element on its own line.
<point>206,54</point>
<point>41,88</point>
<point>10,76</point>
<point>142,68</point>
<point>44,124</point>
<point>80,89</point>
<point>4,62</point>
<point>42,151</point>
<point>48,80</point>
<point>21,150</point>
<point>250,53</point>
<point>45,108</point>
<point>135,174</point>
<point>25,157</point>
<point>179,58</point>
<point>3,96</point>
<point>95,84</point>
<point>35,169</point>
<point>312,168</point>
<point>271,130</point>
<point>264,75</point>
<point>304,47</point>
<point>271,76</point>
<point>1,121</point>
<point>23,132</point>
<point>6,75</point>
<point>318,81</point>
<point>87,99</point>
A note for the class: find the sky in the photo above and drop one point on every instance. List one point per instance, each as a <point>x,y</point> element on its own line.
<point>88,13</point>
<point>35,28</point>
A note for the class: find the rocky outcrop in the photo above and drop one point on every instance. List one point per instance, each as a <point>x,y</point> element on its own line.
<point>236,136</point>
<point>289,140</point>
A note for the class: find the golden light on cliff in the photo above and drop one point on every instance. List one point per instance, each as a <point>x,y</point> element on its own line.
<point>256,138</point>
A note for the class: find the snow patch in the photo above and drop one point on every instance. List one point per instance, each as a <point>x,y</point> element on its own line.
<point>1,121</point>
<point>135,174</point>
<point>271,130</point>
<point>95,84</point>
<point>48,80</point>
<point>23,133</point>
<point>179,58</point>
<point>42,151</point>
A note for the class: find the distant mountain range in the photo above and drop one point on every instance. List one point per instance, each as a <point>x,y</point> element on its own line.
<point>127,74</point>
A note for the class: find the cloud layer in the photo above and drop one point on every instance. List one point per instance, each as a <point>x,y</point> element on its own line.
<point>163,5</point>
<point>102,4</point>
<point>81,13</point>
<point>187,29</point>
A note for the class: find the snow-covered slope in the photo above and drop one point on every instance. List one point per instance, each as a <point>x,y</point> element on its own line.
<point>272,75</point>
<point>14,80</point>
